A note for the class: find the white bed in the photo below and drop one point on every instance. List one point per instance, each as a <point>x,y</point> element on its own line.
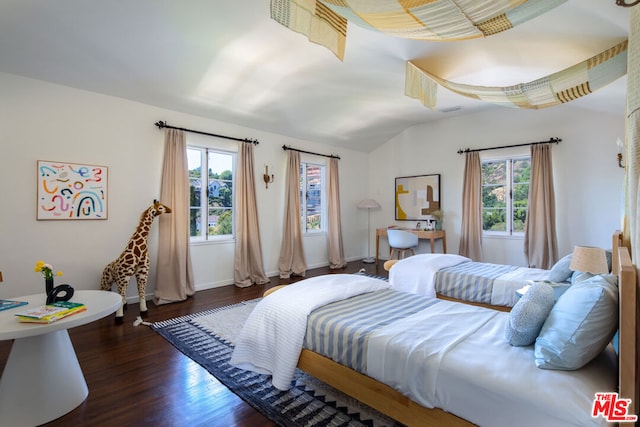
<point>457,277</point>
<point>450,356</point>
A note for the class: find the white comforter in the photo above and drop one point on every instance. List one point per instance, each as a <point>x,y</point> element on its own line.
<point>271,340</point>
<point>416,273</point>
<point>454,356</point>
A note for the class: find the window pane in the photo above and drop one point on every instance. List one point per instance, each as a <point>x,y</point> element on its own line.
<point>313,197</point>
<point>194,222</point>
<point>494,172</point>
<point>519,217</point>
<point>494,220</point>
<point>220,221</point>
<point>521,171</point>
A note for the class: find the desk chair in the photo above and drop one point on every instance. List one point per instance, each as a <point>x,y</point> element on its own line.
<point>401,241</point>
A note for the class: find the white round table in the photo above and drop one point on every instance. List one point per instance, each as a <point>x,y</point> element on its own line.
<point>42,379</point>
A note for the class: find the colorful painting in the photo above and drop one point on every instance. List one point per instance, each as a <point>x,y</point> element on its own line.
<point>71,191</point>
<point>417,196</point>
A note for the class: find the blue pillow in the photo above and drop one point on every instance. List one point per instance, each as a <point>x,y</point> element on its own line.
<point>528,315</point>
<point>580,324</point>
<point>560,271</point>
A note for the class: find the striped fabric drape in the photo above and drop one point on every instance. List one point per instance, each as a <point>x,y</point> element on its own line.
<point>557,88</point>
<point>631,231</point>
<point>325,21</point>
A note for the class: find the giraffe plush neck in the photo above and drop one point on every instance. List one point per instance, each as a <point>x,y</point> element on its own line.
<point>133,261</point>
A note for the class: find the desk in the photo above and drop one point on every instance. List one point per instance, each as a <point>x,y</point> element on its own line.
<point>425,235</point>
<point>42,379</point>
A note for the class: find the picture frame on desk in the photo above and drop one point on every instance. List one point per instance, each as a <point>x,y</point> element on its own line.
<point>416,197</point>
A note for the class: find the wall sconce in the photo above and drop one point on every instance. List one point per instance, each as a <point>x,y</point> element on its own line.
<point>268,179</point>
<point>620,145</point>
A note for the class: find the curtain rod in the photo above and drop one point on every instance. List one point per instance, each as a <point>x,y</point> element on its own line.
<point>550,141</point>
<point>162,124</point>
<point>333,156</point>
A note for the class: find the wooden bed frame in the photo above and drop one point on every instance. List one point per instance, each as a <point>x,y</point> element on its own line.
<point>399,407</point>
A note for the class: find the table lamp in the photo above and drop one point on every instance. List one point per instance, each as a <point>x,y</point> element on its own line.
<point>589,259</point>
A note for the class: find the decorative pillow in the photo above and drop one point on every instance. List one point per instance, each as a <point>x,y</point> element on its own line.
<point>528,315</point>
<point>560,271</point>
<point>580,324</point>
<point>580,276</point>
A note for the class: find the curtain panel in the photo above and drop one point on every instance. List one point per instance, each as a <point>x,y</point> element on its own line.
<point>248,266</point>
<point>334,238</point>
<point>540,241</point>
<point>471,232</point>
<point>174,273</point>
<point>292,259</point>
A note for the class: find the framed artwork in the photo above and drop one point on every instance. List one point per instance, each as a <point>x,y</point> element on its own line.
<point>417,196</point>
<point>71,191</point>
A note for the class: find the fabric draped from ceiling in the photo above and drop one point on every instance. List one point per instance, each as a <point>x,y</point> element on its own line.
<point>631,226</point>
<point>292,259</point>
<point>557,88</point>
<point>334,240</point>
<point>325,21</point>
<point>540,243</point>
<point>174,274</point>
<point>471,230</point>
<point>248,268</point>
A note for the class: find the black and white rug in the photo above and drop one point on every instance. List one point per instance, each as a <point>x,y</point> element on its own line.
<point>208,337</point>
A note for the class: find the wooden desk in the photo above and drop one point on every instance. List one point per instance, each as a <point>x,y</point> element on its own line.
<point>425,235</point>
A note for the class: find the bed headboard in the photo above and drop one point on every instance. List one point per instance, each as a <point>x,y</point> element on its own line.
<point>629,338</point>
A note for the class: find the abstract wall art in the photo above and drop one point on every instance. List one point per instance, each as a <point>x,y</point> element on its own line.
<point>417,196</point>
<point>71,191</point>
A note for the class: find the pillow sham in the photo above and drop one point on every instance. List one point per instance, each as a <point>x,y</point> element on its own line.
<point>580,325</point>
<point>560,271</point>
<point>528,314</point>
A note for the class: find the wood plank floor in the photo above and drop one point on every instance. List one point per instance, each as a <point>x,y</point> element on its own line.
<point>136,378</point>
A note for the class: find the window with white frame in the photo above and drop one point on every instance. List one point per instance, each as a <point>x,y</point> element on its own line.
<point>312,197</point>
<point>211,179</point>
<point>505,195</point>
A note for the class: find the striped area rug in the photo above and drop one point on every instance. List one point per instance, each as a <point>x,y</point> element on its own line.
<point>208,337</point>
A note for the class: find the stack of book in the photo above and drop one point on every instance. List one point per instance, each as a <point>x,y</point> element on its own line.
<point>51,312</point>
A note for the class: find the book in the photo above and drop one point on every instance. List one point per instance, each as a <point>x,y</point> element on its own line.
<point>6,304</point>
<point>50,313</point>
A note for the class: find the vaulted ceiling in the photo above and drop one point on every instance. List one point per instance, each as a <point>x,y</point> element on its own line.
<point>229,61</point>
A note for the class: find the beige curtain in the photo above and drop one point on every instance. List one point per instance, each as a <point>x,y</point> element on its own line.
<point>174,274</point>
<point>292,260</point>
<point>336,250</point>
<point>471,232</point>
<point>540,243</point>
<point>632,152</point>
<point>248,265</point>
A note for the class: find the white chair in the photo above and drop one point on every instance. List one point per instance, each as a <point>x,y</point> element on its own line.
<point>401,241</point>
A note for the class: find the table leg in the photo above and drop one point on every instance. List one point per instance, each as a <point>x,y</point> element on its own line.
<point>444,245</point>
<point>42,380</point>
<point>433,247</point>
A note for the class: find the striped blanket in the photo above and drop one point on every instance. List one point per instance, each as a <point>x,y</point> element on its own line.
<point>470,281</point>
<point>341,330</point>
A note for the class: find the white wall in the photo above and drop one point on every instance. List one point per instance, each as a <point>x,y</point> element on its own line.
<point>42,121</point>
<point>587,179</point>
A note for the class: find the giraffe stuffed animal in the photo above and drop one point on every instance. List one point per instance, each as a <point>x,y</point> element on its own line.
<point>133,261</point>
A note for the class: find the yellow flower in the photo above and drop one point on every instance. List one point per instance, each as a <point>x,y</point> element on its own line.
<point>46,270</point>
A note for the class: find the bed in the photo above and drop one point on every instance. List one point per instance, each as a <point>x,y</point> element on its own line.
<point>464,382</point>
<point>458,278</point>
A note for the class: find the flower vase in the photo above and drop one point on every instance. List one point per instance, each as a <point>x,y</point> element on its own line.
<point>48,285</point>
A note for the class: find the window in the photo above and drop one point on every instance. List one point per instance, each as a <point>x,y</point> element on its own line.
<point>211,194</point>
<point>312,197</point>
<point>505,195</point>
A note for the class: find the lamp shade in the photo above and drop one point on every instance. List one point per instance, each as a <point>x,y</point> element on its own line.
<point>369,204</point>
<point>589,259</point>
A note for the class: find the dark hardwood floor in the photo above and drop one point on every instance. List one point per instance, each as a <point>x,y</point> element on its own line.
<point>136,378</point>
